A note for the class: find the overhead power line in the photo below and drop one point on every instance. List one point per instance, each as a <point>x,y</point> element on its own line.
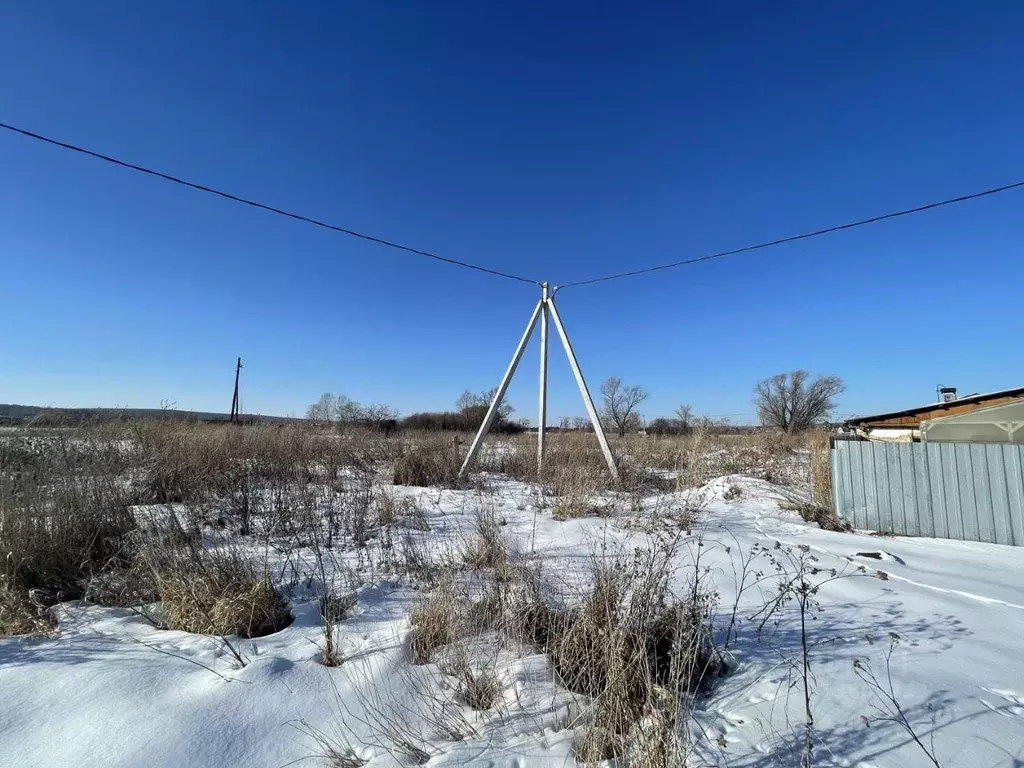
<point>262,206</point>
<point>487,270</point>
<point>794,238</point>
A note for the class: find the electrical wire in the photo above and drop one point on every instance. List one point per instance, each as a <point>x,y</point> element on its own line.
<point>262,206</point>
<point>487,270</point>
<point>794,238</point>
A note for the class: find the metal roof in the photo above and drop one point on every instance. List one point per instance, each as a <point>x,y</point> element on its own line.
<point>979,398</point>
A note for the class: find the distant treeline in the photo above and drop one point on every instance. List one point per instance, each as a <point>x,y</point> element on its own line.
<point>75,417</point>
<point>468,419</point>
<point>679,427</point>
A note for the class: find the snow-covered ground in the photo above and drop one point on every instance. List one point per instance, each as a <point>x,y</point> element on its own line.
<point>109,689</point>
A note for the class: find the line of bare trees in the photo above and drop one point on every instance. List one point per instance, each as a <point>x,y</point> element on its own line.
<point>471,408</point>
<point>344,410</point>
<point>791,402</point>
<point>788,401</point>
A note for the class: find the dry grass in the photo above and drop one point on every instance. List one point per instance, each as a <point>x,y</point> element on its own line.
<point>478,687</point>
<point>437,621</point>
<point>576,495</point>
<point>486,548</point>
<point>18,615</point>
<point>64,518</point>
<point>626,644</point>
<point>821,473</point>
<point>633,649</point>
<point>428,463</point>
<point>215,593</point>
<point>825,517</point>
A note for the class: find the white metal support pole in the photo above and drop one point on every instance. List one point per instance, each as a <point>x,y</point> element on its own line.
<point>584,392</point>
<point>500,394</point>
<point>542,416</point>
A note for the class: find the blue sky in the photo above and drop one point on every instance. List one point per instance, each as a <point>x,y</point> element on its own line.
<point>559,141</point>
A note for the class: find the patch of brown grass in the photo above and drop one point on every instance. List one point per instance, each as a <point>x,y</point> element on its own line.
<point>437,621</point>
<point>486,548</point>
<point>18,616</point>
<point>64,519</point>
<point>216,593</point>
<point>430,463</point>
<point>576,495</point>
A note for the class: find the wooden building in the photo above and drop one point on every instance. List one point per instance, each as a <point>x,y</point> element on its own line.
<point>905,425</point>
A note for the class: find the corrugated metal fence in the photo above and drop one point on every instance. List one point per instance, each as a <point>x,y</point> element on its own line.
<point>969,491</point>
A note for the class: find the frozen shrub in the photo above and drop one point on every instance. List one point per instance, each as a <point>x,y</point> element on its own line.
<point>334,608</point>
<point>216,594</point>
<point>62,522</point>
<point>426,465</point>
<point>18,616</point>
<point>436,621</point>
<point>486,548</point>
<point>478,688</point>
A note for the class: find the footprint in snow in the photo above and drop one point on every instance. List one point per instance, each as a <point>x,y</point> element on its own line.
<point>880,555</point>
<point>760,698</point>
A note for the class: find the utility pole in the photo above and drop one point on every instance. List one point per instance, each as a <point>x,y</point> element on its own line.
<point>235,405</point>
<point>545,308</point>
<point>542,416</point>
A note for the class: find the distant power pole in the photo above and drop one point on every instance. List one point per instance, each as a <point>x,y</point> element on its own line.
<point>234,400</point>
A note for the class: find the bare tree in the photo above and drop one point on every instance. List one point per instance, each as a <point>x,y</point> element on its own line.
<point>347,410</point>
<point>469,401</point>
<point>620,403</point>
<point>792,401</point>
<point>339,408</point>
<point>377,415</point>
<point>574,423</point>
<point>685,415</point>
<point>581,423</point>
<point>322,409</point>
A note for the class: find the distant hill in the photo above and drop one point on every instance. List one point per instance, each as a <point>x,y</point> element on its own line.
<point>43,416</point>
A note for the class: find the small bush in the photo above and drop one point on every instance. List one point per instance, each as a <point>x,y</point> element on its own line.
<point>18,616</point>
<point>217,594</point>
<point>335,608</point>
<point>479,688</point>
<point>823,516</point>
<point>436,621</point>
<point>486,548</point>
<point>427,466</point>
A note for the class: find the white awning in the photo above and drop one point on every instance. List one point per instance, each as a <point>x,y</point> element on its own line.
<point>995,424</point>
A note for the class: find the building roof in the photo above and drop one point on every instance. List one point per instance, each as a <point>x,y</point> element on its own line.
<point>914,416</point>
<point>1003,423</point>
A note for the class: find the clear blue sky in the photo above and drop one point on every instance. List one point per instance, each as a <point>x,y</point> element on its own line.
<point>560,141</point>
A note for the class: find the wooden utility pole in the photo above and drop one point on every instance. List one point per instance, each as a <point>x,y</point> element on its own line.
<point>234,400</point>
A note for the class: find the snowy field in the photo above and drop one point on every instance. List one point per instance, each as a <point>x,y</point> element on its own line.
<point>108,688</point>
